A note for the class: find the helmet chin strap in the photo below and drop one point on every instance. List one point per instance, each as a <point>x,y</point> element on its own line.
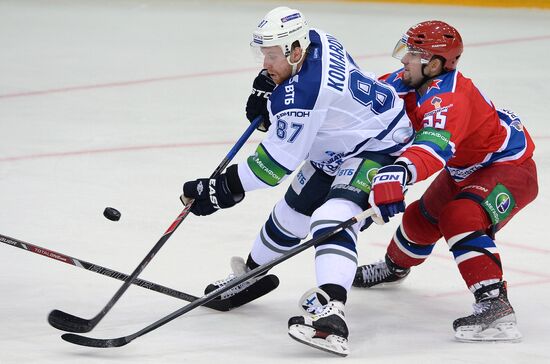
<point>295,64</point>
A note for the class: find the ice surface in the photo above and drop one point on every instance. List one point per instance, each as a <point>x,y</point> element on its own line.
<point>117,103</point>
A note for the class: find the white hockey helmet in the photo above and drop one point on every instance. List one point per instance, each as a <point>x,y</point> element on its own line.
<point>281,27</point>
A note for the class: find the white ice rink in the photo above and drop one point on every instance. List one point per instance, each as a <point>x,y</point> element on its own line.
<point>117,103</point>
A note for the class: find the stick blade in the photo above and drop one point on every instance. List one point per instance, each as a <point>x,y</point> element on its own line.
<point>262,287</point>
<point>95,343</point>
<point>67,322</point>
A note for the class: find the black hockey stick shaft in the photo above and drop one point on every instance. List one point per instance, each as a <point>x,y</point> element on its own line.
<point>108,272</point>
<point>67,322</point>
<point>121,341</point>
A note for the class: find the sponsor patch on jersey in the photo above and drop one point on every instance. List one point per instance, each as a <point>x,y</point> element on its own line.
<point>499,203</point>
<point>293,113</point>
<point>439,137</point>
<point>363,179</point>
<point>460,174</point>
<point>265,168</point>
<point>438,109</point>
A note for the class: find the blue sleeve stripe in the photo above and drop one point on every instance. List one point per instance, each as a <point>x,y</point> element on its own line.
<point>444,154</point>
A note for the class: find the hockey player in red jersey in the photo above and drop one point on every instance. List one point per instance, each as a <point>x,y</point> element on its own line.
<point>488,177</point>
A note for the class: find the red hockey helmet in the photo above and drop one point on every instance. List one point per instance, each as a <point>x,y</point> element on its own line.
<point>431,38</point>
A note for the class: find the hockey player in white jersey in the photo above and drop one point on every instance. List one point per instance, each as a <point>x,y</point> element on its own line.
<point>346,126</point>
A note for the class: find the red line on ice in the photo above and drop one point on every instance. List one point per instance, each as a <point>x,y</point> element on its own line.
<point>223,72</point>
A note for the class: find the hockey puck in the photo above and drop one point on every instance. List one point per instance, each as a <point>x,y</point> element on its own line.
<point>111,213</point>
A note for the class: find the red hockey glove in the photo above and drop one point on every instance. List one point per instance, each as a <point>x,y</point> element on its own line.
<point>388,192</point>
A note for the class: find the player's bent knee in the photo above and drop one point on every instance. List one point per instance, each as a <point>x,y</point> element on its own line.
<point>459,216</point>
<point>417,227</point>
<point>290,221</point>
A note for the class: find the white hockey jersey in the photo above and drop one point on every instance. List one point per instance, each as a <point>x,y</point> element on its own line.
<point>328,112</point>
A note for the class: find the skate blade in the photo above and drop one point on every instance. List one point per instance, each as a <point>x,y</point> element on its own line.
<point>393,284</point>
<point>331,344</point>
<point>388,285</point>
<point>502,332</point>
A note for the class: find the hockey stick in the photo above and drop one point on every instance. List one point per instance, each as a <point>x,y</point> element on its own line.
<point>220,305</point>
<point>67,322</point>
<point>121,341</point>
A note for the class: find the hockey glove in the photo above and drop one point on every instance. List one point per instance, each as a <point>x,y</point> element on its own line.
<point>212,194</point>
<point>387,196</point>
<point>256,105</point>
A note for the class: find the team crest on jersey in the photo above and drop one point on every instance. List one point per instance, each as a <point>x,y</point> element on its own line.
<point>516,124</point>
<point>436,102</point>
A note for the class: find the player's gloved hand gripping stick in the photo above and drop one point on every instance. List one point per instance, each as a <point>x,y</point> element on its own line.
<point>387,197</point>
<point>256,105</point>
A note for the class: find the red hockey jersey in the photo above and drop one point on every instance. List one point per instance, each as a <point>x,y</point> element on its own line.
<point>458,128</point>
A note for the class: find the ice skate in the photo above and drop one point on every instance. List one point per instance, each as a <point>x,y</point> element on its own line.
<point>493,318</point>
<point>238,266</point>
<point>322,326</point>
<point>248,290</point>
<point>381,273</point>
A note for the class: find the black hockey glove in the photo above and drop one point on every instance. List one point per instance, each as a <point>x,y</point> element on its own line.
<point>257,101</point>
<point>212,194</point>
